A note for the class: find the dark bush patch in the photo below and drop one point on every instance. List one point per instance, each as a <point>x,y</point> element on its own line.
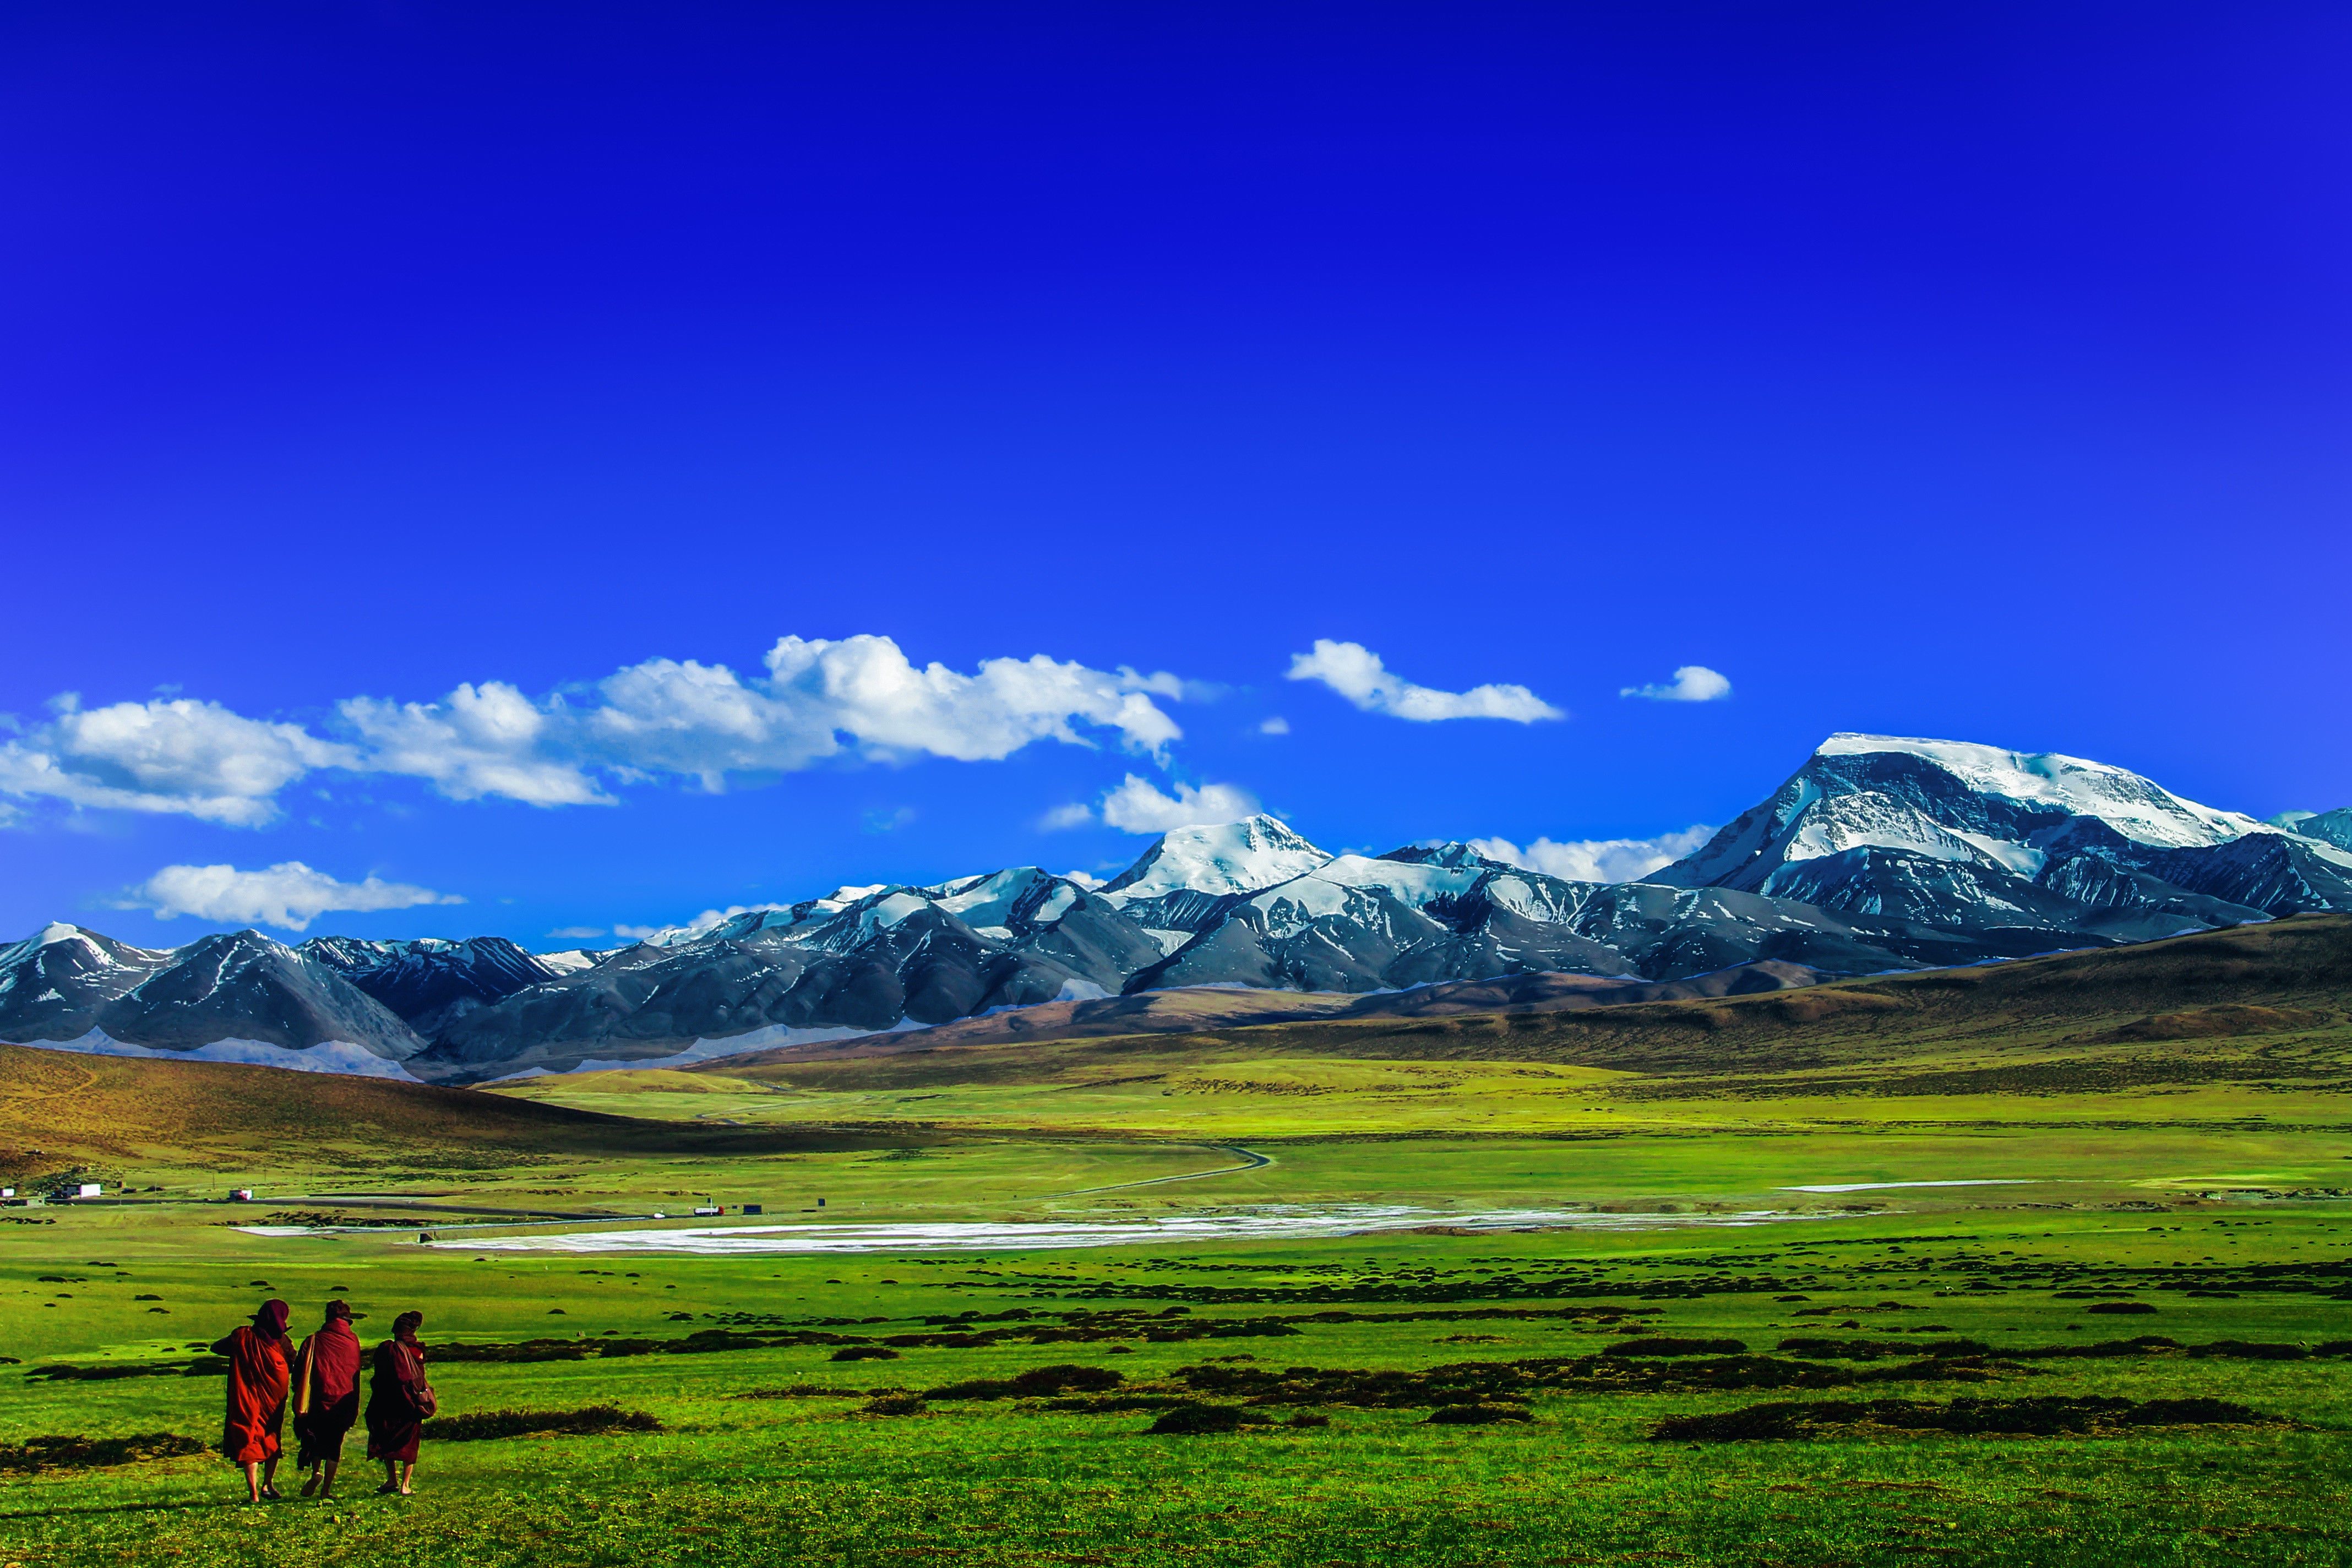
<point>2249,1349</point>
<point>800,1391</point>
<point>65,1371</point>
<point>2333,1347</point>
<point>1667,1345</point>
<point>1117,1403</point>
<point>2120,1308</point>
<point>1479,1415</point>
<point>2049,1417</point>
<point>1196,1420</point>
<point>63,1452</point>
<point>894,1404</point>
<point>1035,1384</point>
<point>484,1426</point>
<point>1307,1418</point>
<point>865,1352</point>
<point>1471,1383</point>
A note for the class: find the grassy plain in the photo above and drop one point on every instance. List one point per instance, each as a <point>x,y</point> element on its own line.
<point>2171,1149</point>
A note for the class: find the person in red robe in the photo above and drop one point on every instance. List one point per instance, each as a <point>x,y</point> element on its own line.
<point>326,1398</point>
<point>399,1399</point>
<point>258,1374</point>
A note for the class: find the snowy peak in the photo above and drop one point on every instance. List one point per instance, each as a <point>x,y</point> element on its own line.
<point>1444,852</point>
<point>2138,808</point>
<point>1242,856</point>
<point>1951,801</point>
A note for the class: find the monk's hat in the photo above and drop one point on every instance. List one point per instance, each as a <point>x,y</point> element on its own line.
<point>273,1318</point>
<point>339,1308</point>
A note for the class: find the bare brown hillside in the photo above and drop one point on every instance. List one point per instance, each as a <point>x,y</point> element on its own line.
<point>2164,999</point>
<point>56,1103</point>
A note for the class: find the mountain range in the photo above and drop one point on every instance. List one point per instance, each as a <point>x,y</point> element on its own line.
<point>1878,854</point>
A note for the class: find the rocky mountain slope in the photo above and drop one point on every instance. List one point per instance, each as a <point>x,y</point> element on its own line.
<point>1879,854</point>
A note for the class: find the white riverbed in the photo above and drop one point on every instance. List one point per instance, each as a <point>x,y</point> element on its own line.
<point>1275,1222</point>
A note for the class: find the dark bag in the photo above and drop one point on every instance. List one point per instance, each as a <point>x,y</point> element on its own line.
<point>421,1396</point>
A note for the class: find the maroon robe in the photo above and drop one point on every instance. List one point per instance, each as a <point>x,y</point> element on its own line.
<point>394,1426</point>
<point>326,1393</point>
<point>258,1378</point>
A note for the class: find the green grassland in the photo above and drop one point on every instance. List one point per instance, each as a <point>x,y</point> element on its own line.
<point>2174,1118</point>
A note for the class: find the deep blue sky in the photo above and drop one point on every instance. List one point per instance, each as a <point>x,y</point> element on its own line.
<point>1975,371</point>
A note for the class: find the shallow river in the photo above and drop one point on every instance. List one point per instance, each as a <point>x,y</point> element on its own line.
<point>1272,1223</point>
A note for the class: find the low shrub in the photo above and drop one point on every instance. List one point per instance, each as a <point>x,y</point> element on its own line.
<point>893,1404</point>
<point>1196,1420</point>
<point>865,1352</point>
<point>1037,1382</point>
<point>486,1425</point>
<point>2120,1308</point>
<point>60,1451</point>
<point>1667,1345</point>
<point>1484,1414</point>
<point>2050,1416</point>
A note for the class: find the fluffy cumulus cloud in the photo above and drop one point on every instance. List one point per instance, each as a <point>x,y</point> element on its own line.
<point>1692,683</point>
<point>188,758</point>
<point>288,895</point>
<point>1138,805</point>
<point>1596,859</point>
<point>858,697</point>
<point>1356,673</point>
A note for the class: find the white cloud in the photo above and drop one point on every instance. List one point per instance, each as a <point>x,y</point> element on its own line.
<point>1278,725</point>
<point>1074,815</point>
<point>1136,806</point>
<point>193,758</point>
<point>1356,673</point>
<point>1596,859</point>
<point>1085,880</point>
<point>578,933</point>
<point>664,718</point>
<point>488,740</point>
<point>1692,683</point>
<point>288,895</point>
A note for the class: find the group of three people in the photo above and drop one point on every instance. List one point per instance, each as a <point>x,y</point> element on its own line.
<point>321,1382</point>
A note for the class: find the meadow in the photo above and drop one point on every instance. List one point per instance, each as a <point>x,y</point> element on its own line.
<point>2137,1349</point>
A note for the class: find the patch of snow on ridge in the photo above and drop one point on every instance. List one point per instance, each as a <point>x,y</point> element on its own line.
<point>328,1056</point>
<point>2134,806</point>
<point>1232,858</point>
<point>770,1037</point>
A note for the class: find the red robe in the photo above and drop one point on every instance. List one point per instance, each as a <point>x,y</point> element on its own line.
<point>258,1379</point>
<point>393,1423</point>
<point>326,1392</point>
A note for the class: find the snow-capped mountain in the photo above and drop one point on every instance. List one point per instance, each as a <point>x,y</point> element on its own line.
<point>1879,853</point>
<point>428,983</point>
<point>2327,827</point>
<point>1973,839</point>
<point>235,996</point>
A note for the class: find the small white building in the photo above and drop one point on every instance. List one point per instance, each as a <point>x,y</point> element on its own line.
<point>89,1190</point>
